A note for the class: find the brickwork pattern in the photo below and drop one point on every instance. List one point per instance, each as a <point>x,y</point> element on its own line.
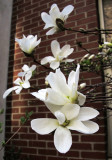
<point>26,20</point>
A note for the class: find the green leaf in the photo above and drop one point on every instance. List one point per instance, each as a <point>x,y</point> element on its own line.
<point>23,120</point>
<point>1,111</point>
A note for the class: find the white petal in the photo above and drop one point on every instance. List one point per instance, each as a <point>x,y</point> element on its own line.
<point>60,116</point>
<point>55,48</point>
<point>62,139</point>
<point>41,94</point>
<point>8,91</point>
<point>25,68</point>
<point>70,110</point>
<point>66,51</point>
<point>55,97</point>
<point>51,31</point>
<point>46,18</point>
<point>93,127</point>
<point>33,67</point>
<point>77,125</point>
<point>18,90</point>
<point>26,84</point>
<point>54,65</point>
<point>44,125</point>
<point>71,79</point>
<point>54,12</point>
<point>18,81</point>
<point>81,98</point>
<point>68,60</point>
<point>58,83</point>
<point>48,59</point>
<point>52,107</point>
<point>28,75</point>
<point>77,76</point>
<point>67,10</point>
<point>87,113</point>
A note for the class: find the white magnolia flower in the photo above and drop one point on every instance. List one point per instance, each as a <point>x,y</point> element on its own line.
<point>28,44</point>
<point>28,71</point>
<point>68,118</point>
<point>20,85</point>
<point>54,13</point>
<point>60,55</point>
<point>61,92</point>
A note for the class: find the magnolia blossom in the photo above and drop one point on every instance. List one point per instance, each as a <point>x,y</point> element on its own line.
<point>28,44</point>
<point>20,85</point>
<point>61,92</point>
<point>54,14</point>
<point>59,55</point>
<point>28,71</point>
<point>70,117</point>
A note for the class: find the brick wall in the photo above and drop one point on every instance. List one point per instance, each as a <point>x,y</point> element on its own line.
<point>26,20</point>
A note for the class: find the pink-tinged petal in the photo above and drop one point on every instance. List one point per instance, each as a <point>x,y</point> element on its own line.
<point>51,31</point>
<point>93,127</point>
<point>70,110</point>
<point>81,98</point>
<point>44,125</point>
<point>41,94</point>
<point>87,113</point>
<point>67,10</point>
<point>54,65</point>
<point>48,59</point>
<point>62,139</point>
<point>77,125</point>
<point>21,74</point>
<point>55,48</point>
<point>60,116</point>
<point>8,91</point>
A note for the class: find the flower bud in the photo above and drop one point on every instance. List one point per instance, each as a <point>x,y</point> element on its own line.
<point>92,56</point>
<point>82,85</point>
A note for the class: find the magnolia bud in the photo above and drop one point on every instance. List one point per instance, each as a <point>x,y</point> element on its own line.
<point>84,57</point>
<point>82,85</point>
<point>46,83</point>
<point>92,56</point>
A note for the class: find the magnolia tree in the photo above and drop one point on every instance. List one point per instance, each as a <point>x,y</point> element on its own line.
<point>63,96</point>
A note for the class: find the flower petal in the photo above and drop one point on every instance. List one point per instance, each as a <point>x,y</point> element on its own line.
<point>55,48</point>
<point>47,59</point>
<point>60,116</point>
<point>51,31</point>
<point>67,10</point>
<point>62,139</point>
<point>71,78</point>
<point>68,60</point>
<point>66,51</point>
<point>52,107</point>
<point>44,125</point>
<point>18,81</point>
<point>81,98</point>
<point>93,127</point>
<point>25,68</point>
<point>54,65</point>
<point>70,110</point>
<point>41,94</point>
<point>26,84</point>
<point>21,74</point>
<point>46,18</point>
<point>8,91</point>
<point>54,97</point>
<point>87,113</point>
<point>18,90</point>
<point>77,125</point>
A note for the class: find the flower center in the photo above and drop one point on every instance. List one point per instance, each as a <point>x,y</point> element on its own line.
<point>21,83</point>
<point>66,123</point>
